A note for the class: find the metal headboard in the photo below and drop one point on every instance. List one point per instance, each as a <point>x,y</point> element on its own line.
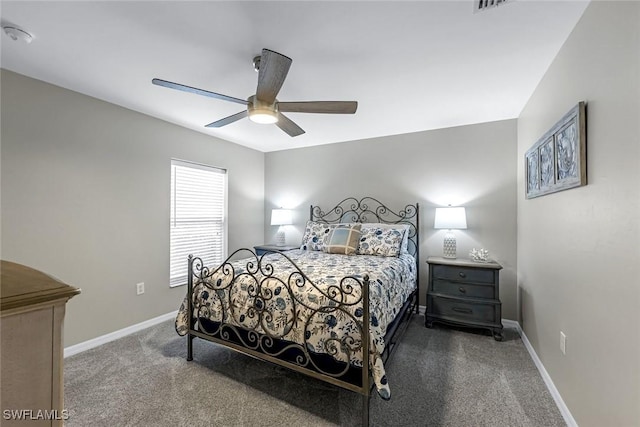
<point>368,209</point>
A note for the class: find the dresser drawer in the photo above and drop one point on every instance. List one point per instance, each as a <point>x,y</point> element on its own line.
<point>460,289</point>
<point>479,275</point>
<point>464,311</point>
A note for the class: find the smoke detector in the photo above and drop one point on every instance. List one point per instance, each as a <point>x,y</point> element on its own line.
<point>16,34</point>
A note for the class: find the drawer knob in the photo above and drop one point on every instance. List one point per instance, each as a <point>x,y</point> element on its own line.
<point>462,310</point>
<point>461,274</point>
<point>462,290</point>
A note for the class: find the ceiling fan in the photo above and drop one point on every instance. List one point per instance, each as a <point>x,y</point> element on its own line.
<point>263,107</point>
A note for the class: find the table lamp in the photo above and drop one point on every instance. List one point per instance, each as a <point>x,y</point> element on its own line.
<point>280,217</point>
<point>451,219</point>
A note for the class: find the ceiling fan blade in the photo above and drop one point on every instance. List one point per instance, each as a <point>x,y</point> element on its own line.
<point>197,91</point>
<point>288,125</point>
<point>228,120</point>
<point>272,72</point>
<point>328,107</point>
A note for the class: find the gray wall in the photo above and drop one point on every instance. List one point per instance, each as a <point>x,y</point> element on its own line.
<point>85,198</point>
<point>578,249</point>
<point>473,166</point>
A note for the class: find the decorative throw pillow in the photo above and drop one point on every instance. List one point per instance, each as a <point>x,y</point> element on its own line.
<point>404,247</point>
<point>342,239</point>
<point>381,241</point>
<point>314,234</point>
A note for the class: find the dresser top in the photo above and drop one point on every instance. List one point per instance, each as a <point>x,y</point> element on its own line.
<point>269,247</point>
<point>22,286</point>
<point>461,262</point>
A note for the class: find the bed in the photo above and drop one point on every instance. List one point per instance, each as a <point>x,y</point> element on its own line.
<point>306,308</point>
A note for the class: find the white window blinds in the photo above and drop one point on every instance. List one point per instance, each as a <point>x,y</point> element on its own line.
<point>198,217</point>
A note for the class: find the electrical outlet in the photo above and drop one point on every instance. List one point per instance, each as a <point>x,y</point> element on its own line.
<point>140,288</point>
<point>563,343</point>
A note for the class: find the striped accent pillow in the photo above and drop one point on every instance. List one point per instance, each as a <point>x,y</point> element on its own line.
<point>342,239</point>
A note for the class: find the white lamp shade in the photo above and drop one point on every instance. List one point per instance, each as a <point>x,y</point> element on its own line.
<point>450,218</point>
<point>281,217</point>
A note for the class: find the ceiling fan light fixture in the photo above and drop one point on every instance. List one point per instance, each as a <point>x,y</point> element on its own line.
<point>265,117</point>
<point>262,112</point>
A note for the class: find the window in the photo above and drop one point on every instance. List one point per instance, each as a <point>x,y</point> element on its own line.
<point>198,217</point>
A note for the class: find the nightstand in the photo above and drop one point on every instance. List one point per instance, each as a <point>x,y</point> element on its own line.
<point>464,293</point>
<point>260,250</point>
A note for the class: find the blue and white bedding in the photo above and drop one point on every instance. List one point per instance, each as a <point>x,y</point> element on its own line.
<point>304,313</point>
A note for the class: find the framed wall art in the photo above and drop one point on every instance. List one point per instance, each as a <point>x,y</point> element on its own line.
<point>558,161</point>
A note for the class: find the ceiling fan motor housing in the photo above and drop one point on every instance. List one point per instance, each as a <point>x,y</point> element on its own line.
<point>262,112</point>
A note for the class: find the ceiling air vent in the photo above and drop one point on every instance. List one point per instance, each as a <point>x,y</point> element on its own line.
<point>488,4</point>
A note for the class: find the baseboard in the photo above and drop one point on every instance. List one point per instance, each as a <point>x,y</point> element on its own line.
<point>512,324</point>
<point>566,414</point>
<point>95,342</point>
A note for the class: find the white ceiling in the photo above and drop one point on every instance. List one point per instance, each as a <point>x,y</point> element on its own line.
<point>411,66</point>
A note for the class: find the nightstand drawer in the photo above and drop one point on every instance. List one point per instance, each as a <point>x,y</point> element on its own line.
<point>463,310</point>
<point>459,289</point>
<point>479,275</point>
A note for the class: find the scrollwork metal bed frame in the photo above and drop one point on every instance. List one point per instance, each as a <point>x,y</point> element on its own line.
<point>267,345</point>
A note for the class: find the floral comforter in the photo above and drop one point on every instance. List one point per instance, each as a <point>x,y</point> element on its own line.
<point>286,307</point>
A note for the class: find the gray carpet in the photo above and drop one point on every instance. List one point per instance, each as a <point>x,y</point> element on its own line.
<point>438,377</point>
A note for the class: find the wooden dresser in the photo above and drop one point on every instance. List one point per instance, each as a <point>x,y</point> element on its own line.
<point>31,375</point>
<point>464,293</point>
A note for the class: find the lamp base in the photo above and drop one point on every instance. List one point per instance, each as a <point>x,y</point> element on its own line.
<point>449,247</point>
<point>280,238</point>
